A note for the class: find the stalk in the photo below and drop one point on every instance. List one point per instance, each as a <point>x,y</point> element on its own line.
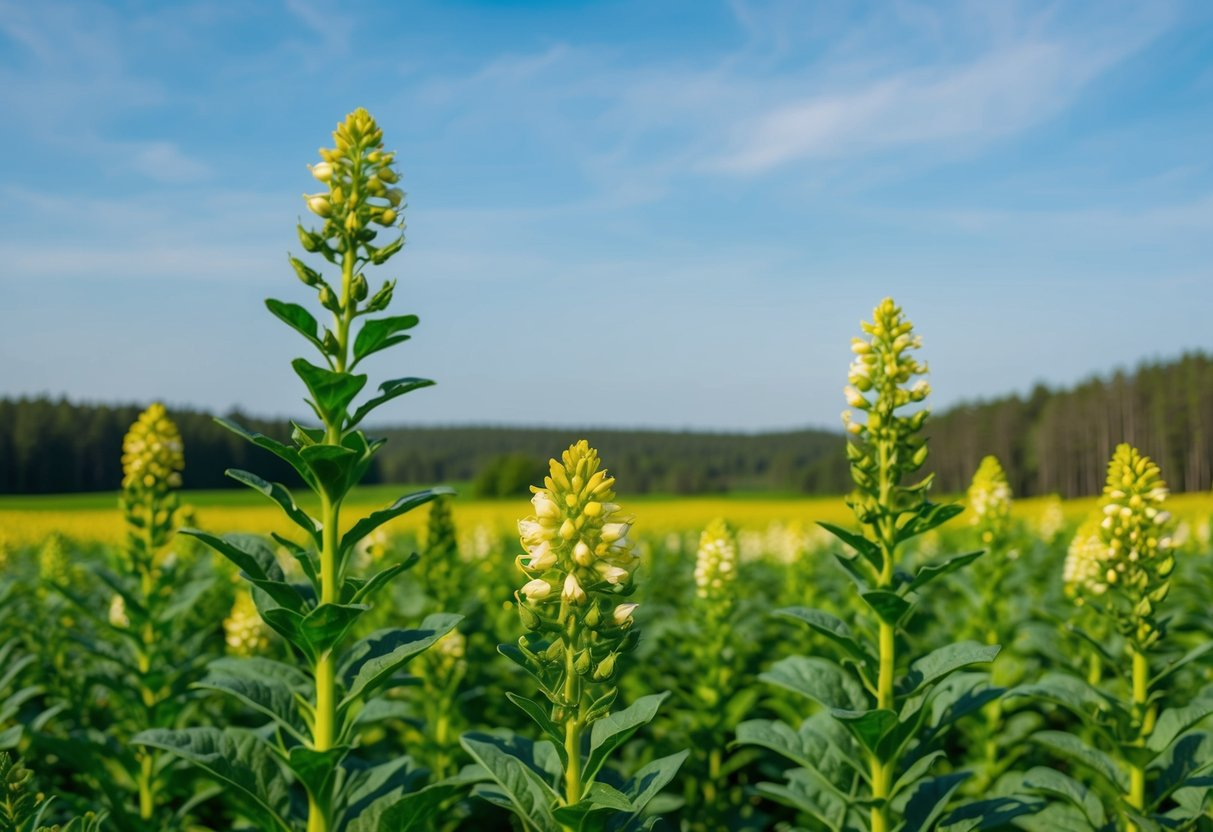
<point>572,716</point>
<point>1141,689</point>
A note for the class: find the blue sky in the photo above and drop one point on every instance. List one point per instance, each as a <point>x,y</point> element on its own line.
<point>622,213</point>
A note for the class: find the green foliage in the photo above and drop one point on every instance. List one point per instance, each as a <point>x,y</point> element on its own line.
<point>301,770</point>
<point>893,713</point>
<point>581,563</point>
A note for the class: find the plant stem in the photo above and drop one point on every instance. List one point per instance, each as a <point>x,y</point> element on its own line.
<point>885,526</point>
<point>1144,713</point>
<point>573,719</point>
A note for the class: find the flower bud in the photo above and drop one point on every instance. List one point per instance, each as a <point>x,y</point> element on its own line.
<point>582,554</point>
<point>536,590</point>
<point>622,616</point>
<point>322,171</point>
<point>319,205</point>
<point>572,592</point>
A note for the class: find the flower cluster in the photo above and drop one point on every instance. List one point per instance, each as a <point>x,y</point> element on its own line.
<point>1084,569</point>
<point>361,193</point>
<point>990,502</point>
<point>152,453</point>
<point>243,630</point>
<point>579,559</point>
<point>1136,530</point>
<point>1052,519</point>
<point>117,614</point>
<point>882,381</point>
<point>716,561</point>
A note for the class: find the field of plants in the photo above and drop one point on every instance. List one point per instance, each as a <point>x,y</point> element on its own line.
<point>353,660</point>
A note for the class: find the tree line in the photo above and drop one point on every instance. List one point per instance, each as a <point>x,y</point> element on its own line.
<point>1049,441</point>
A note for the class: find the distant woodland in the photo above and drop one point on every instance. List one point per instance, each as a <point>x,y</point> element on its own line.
<point>1050,441</point>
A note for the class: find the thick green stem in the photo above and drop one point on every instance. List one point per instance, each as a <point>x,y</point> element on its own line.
<point>1145,714</point>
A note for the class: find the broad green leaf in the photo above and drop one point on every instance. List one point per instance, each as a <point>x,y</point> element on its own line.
<point>601,801</point>
<point>941,662</point>
<point>267,686</point>
<point>1074,749</point>
<point>370,793</point>
<point>364,590</point>
<point>316,770</point>
<point>830,626</point>
<point>333,468</point>
<point>388,390</point>
<point>649,780</point>
<point>380,333</point>
<point>928,516</point>
<point>1055,783</point>
<point>1197,652</point>
<point>374,660</point>
<point>415,811</point>
<point>811,746</point>
<point>914,772</point>
<point>1072,693</point>
<point>889,606</point>
<point>298,319</point>
<point>258,563</point>
<point>237,758</point>
<point>529,794</point>
<point>615,729</point>
<point>282,451</point>
<point>376,519</point>
<point>820,680</point>
<point>809,793</point>
<point>540,716</point>
<point>327,624</point>
<point>331,392</point>
<point>924,803</point>
<point>281,495</point>
<point>930,571</point>
<point>870,551</point>
<point>868,727</point>
<point>1188,757</point>
<point>1174,721</point>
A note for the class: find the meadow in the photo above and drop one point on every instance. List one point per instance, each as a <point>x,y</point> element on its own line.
<point>357,660</point>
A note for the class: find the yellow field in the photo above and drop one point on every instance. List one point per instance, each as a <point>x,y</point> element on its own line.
<point>95,522</point>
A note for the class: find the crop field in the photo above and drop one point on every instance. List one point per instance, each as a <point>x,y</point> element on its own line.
<point>333,658</point>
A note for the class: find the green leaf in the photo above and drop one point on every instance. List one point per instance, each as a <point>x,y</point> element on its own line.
<point>615,729</point>
<point>1055,783</point>
<point>1074,749</point>
<point>1072,693</point>
<point>264,685</point>
<point>914,772</point>
<point>889,606</point>
<point>1197,652</point>
<point>810,746</point>
<point>820,680</point>
<point>381,333</point>
<point>1189,756</point>
<point>510,764</point>
<point>282,451</point>
<point>298,319</point>
<point>946,660</point>
<point>376,519</point>
<point>416,811</point>
<point>925,802</point>
<point>236,758</point>
<point>870,551</point>
<point>931,571</point>
<point>649,780</point>
<point>332,467</point>
<point>992,813</point>
<point>280,494</point>
<point>389,390</point>
<point>365,590</point>
<point>373,661</point>
<point>257,561</point>
<point>1174,721</point>
<point>830,626</point>
<point>327,624</point>
<point>928,516</point>
<point>868,727</point>
<point>331,392</point>
<point>540,716</point>
<point>316,770</point>
<point>600,800</point>
<point>807,792</point>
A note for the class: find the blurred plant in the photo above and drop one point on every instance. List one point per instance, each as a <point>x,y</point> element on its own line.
<point>580,565</point>
<point>1150,771</point>
<point>864,762</point>
<point>315,709</point>
<point>23,809</point>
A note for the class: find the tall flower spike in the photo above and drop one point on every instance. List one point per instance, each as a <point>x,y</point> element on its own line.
<point>1137,532</point>
<point>716,561</point>
<point>152,454</point>
<point>1085,564</point>
<point>990,502</point>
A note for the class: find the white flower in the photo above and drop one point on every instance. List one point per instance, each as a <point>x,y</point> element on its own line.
<point>542,557</point>
<point>623,614</point>
<point>572,592</point>
<point>536,590</point>
<point>612,532</point>
<point>545,506</point>
<point>583,554</point>
<point>322,171</point>
<point>612,574</point>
